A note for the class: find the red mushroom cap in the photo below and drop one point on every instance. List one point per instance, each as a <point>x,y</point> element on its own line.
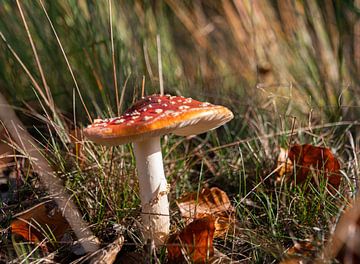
<point>157,115</point>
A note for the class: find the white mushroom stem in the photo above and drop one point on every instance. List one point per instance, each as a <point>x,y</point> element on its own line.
<point>153,189</point>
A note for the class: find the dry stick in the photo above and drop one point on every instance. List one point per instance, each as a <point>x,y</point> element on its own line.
<point>113,59</point>
<point>143,86</point>
<point>46,87</point>
<point>290,139</point>
<point>31,77</point>
<point>158,41</point>
<point>123,92</point>
<point>261,182</point>
<point>66,59</point>
<point>47,176</point>
<point>147,61</point>
<point>354,150</point>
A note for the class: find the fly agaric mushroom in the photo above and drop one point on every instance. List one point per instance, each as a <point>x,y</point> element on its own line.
<point>143,124</point>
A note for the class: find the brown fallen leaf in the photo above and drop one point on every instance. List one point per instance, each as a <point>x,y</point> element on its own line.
<point>38,222</point>
<point>309,161</point>
<point>47,176</point>
<point>284,164</point>
<point>214,202</point>
<point>108,254</point>
<point>294,260</point>
<point>301,252</point>
<point>194,243</point>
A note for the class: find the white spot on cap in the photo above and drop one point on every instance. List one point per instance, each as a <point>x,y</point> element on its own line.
<point>182,107</point>
<point>188,100</point>
<point>159,100</point>
<point>205,104</point>
<point>146,118</point>
<point>164,105</point>
<point>158,111</point>
<point>168,112</point>
<point>150,106</point>
<point>172,102</point>
<point>119,121</point>
<point>96,121</point>
<point>135,117</point>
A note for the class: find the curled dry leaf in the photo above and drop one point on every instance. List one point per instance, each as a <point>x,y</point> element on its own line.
<point>194,243</point>
<point>309,161</point>
<point>300,253</point>
<point>214,202</point>
<point>40,221</point>
<point>108,254</point>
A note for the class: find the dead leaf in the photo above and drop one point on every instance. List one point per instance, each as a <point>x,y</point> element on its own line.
<point>108,254</point>
<point>300,253</point>
<point>309,161</point>
<point>194,243</point>
<point>293,260</point>
<point>40,221</point>
<point>221,258</point>
<point>214,202</point>
<point>285,164</point>
<point>304,248</point>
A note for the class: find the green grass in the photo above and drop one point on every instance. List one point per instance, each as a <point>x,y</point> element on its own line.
<point>288,71</point>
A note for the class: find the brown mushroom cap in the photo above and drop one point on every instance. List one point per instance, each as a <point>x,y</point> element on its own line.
<point>157,115</point>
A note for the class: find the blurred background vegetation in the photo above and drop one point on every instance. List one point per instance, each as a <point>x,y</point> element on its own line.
<point>278,64</point>
<point>242,54</point>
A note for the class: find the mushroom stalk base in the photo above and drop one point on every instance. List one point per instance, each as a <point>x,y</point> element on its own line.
<point>153,189</point>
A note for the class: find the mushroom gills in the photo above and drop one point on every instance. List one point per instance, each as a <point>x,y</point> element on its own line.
<point>198,126</point>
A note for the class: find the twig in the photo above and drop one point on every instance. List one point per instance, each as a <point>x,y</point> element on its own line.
<point>113,59</point>
<point>46,87</point>
<point>66,59</point>
<point>47,176</point>
<point>161,81</point>
<point>143,86</point>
